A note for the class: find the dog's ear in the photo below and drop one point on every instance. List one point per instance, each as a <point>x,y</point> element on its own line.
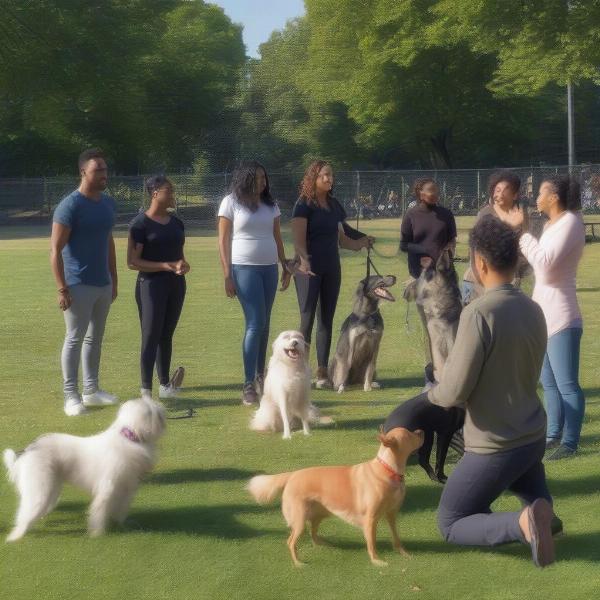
<point>386,440</point>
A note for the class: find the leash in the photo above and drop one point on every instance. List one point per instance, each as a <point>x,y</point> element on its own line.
<point>187,413</point>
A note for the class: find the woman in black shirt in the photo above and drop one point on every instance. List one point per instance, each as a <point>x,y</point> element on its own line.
<point>155,249</point>
<point>318,227</point>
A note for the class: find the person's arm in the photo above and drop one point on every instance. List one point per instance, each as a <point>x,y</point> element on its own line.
<point>112,266</point>
<point>58,240</point>
<point>299,227</point>
<point>352,233</point>
<point>452,235</point>
<point>407,243</point>
<point>463,367</point>
<point>543,258</point>
<point>350,243</point>
<point>225,233</point>
<point>136,263</point>
<point>285,273</point>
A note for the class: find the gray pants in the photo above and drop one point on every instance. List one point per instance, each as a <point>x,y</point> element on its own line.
<point>464,513</point>
<point>85,320</point>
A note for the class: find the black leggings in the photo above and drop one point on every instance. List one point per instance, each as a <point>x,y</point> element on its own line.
<point>159,297</point>
<point>322,289</point>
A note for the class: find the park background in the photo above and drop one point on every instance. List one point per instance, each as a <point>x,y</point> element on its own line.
<point>388,90</point>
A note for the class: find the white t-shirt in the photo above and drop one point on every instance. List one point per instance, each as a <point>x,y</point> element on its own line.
<point>253,242</point>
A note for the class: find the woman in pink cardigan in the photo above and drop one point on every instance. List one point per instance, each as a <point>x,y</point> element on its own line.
<point>555,258</point>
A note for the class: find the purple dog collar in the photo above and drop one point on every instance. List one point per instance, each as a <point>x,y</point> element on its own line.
<point>130,435</point>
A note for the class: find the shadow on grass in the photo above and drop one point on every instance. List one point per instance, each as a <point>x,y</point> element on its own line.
<point>211,521</point>
<point>183,403</point>
<point>213,387</point>
<point>574,487</point>
<point>371,423</point>
<point>589,289</point>
<point>200,475</point>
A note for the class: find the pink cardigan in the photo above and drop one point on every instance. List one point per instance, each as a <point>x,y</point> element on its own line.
<point>554,258</point>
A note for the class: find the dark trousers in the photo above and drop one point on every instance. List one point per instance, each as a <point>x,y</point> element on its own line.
<point>318,295</point>
<point>159,297</point>
<point>464,513</point>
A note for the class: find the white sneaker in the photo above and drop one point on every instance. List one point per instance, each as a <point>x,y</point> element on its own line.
<point>74,406</point>
<point>167,391</point>
<point>99,398</point>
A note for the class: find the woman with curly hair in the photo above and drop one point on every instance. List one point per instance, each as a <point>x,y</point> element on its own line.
<point>318,227</point>
<point>250,244</point>
<point>426,230</point>
<point>504,187</point>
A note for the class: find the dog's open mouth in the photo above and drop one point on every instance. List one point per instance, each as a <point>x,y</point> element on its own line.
<point>292,353</point>
<point>383,293</point>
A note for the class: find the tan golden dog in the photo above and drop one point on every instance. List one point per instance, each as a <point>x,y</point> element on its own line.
<point>359,494</point>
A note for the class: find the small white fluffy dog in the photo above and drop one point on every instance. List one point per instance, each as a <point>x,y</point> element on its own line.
<point>108,465</point>
<point>287,387</point>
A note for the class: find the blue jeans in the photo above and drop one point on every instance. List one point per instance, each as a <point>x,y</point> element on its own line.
<point>565,403</point>
<point>255,287</point>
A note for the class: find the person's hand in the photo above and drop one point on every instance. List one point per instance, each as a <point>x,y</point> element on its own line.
<point>64,299</point>
<point>230,287</point>
<point>367,241</point>
<point>181,267</point>
<point>515,217</point>
<point>286,277</point>
<point>115,291</point>
<point>304,267</point>
<point>426,262</point>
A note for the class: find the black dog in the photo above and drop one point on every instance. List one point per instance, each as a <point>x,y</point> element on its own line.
<point>419,413</point>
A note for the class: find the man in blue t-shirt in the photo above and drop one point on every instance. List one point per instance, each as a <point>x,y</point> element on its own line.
<point>84,266</point>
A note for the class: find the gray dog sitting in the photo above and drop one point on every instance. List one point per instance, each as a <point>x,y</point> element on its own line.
<point>360,336</point>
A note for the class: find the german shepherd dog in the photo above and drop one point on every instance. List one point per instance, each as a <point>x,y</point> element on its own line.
<point>360,336</point>
<point>437,292</point>
<point>419,413</point>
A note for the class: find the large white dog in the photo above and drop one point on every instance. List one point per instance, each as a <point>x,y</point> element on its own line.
<point>287,387</point>
<point>108,465</point>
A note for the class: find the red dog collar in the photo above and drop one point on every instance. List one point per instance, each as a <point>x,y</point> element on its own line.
<point>394,475</point>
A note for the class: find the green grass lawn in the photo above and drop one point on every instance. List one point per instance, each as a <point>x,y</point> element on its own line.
<point>193,531</point>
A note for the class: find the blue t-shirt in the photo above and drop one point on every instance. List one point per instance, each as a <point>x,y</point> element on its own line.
<point>85,255</point>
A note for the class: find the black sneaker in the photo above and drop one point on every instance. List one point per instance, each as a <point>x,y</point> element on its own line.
<point>249,395</point>
<point>562,452</point>
<point>553,443</point>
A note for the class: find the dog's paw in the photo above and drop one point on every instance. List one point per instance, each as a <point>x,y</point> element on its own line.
<point>376,385</point>
<point>441,478</point>
<point>286,436</point>
<point>341,389</point>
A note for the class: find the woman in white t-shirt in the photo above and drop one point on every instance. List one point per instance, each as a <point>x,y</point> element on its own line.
<point>250,244</point>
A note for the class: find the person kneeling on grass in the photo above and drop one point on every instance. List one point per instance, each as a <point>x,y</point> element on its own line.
<point>493,371</point>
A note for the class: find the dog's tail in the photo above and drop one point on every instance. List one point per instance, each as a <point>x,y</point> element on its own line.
<point>265,488</point>
<point>10,458</point>
<point>266,418</point>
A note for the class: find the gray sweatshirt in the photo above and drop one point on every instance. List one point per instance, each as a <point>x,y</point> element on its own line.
<point>493,371</point>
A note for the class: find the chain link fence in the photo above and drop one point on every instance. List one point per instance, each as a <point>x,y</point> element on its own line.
<point>368,194</point>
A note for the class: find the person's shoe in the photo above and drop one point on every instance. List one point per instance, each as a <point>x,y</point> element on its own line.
<point>74,406</point>
<point>562,452</point>
<point>541,542</point>
<point>146,393</point>
<point>259,384</point>
<point>167,391</point>
<point>556,526</point>
<point>249,395</point>
<point>99,398</point>
<point>552,443</point>
<point>323,382</point>
<point>177,378</point>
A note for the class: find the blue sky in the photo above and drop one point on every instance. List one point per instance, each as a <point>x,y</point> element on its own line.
<point>260,18</point>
